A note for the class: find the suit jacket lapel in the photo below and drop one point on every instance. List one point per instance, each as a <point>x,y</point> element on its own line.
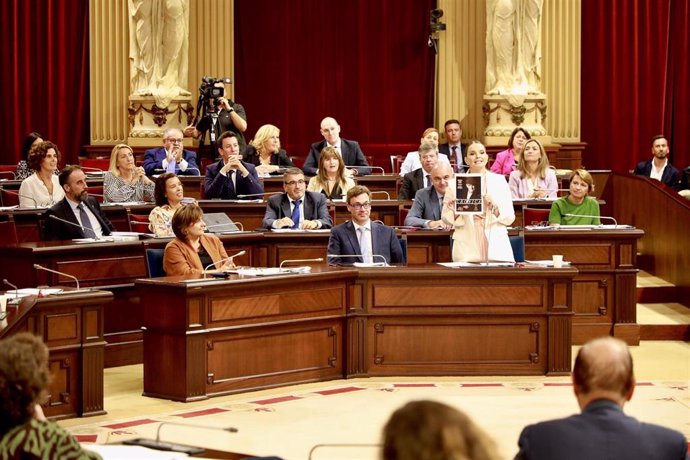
<point>433,202</point>
<point>352,235</point>
<point>285,206</point>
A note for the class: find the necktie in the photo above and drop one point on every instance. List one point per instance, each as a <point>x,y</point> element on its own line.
<point>231,185</point>
<point>365,245</point>
<point>295,214</point>
<point>428,180</point>
<point>454,156</point>
<point>86,222</point>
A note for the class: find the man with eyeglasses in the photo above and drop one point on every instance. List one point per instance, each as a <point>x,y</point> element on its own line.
<point>297,208</point>
<point>172,157</point>
<point>231,178</point>
<point>361,237</point>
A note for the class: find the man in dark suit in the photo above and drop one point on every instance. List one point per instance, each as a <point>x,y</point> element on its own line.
<point>603,382</point>
<point>419,178</point>
<point>171,157</point>
<point>428,202</point>
<point>77,215</point>
<point>453,148</point>
<point>659,167</point>
<point>230,176</point>
<point>349,150</point>
<point>361,237</point>
<point>296,208</point>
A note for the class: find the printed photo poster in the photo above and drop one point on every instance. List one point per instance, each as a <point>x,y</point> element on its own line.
<point>468,198</point>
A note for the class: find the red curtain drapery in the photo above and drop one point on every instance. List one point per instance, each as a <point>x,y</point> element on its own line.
<point>44,81</point>
<point>634,80</point>
<point>366,63</point>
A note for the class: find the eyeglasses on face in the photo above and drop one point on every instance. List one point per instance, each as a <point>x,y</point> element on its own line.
<point>360,206</point>
<point>175,141</point>
<point>292,183</point>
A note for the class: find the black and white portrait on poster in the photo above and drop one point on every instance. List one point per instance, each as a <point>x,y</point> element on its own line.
<point>469,194</point>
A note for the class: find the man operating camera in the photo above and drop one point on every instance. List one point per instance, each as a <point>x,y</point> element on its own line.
<point>217,114</point>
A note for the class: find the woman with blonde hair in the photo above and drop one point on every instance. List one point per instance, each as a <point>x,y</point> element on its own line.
<point>430,430</point>
<point>265,153</point>
<point>330,178</point>
<point>577,208</point>
<point>125,181</point>
<point>533,177</point>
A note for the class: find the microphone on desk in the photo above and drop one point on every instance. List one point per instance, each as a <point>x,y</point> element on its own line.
<point>349,256</point>
<point>21,195</point>
<point>168,446</point>
<point>388,196</point>
<point>592,217</point>
<point>16,289</point>
<point>41,267</point>
<point>83,229</point>
<point>318,259</point>
<point>258,194</point>
<point>222,261</point>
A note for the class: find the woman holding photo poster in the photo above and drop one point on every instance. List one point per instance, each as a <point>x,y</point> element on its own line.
<point>481,232</point>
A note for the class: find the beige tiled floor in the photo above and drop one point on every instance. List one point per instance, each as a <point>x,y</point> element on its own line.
<point>503,415</point>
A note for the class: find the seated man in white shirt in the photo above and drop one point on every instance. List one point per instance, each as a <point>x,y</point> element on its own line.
<point>412,162</point>
<point>659,167</point>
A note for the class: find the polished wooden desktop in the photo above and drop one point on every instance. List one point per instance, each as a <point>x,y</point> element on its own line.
<point>207,337</point>
<point>603,293</point>
<point>71,325</point>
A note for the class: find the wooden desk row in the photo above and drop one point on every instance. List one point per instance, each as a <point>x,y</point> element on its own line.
<point>213,337</point>
<point>249,214</point>
<point>193,185</point>
<point>603,291</point>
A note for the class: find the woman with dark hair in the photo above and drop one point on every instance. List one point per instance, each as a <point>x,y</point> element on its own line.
<point>265,153</point>
<point>193,250</point>
<point>429,430</point>
<point>42,188</point>
<point>23,169</point>
<point>506,161</point>
<point>168,194</point>
<point>330,178</point>
<point>24,378</point>
<point>125,181</point>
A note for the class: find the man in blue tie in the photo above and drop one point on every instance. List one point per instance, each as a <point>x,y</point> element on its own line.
<point>231,177</point>
<point>297,208</point>
<point>77,215</point>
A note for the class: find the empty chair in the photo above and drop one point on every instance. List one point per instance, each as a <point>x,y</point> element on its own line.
<point>138,222</point>
<point>535,216</point>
